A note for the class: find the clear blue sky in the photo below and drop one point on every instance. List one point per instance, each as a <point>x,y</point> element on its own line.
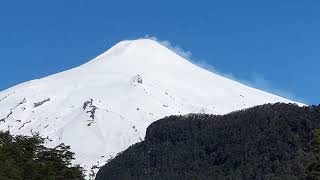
<point>270,44</point>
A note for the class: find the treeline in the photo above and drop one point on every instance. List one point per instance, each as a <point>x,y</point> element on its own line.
<point>25,158</point>
<point>268,142</point>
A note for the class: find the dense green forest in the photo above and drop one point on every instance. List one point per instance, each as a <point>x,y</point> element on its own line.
<point>25,158</point>
<point>268,142</point>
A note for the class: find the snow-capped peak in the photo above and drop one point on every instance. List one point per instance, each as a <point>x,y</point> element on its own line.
<point>105,105</point>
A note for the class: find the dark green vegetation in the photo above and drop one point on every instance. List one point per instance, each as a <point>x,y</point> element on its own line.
<point>270,142</point>
<point>25,158</point>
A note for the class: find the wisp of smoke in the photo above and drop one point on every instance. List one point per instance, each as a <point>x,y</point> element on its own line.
<point>257,80</point>
<point>175,48</point>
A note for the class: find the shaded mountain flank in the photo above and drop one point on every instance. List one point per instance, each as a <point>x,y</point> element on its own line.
<point>280,141</point>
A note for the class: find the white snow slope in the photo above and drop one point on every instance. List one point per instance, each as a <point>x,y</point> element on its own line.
<point>105,105</point>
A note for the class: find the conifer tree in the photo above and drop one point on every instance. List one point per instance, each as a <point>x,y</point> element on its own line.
<point>313,170</point>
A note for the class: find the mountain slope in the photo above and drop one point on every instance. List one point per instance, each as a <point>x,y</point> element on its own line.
<point>105,105</point>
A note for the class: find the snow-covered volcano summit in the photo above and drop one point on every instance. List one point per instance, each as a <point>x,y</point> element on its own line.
<point>105,105</point>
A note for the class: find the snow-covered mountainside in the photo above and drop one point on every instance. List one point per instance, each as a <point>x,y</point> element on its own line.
<point>105,105</point>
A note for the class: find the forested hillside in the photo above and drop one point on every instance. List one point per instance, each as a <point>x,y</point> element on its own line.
<point>277,141</point>
<point>25,158</point>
